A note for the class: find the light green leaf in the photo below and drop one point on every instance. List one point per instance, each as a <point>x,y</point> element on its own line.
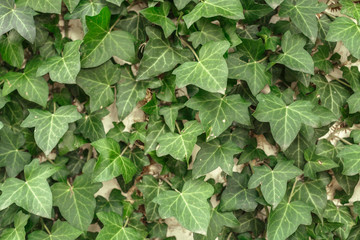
<point>210,72</point>
<point>59,231</point>
<point>158,16</point>
<point>116,2</point>
<point>285,120</point>
<point>354,102</point>
<point>11,49</point>
<point>316,163</point>
<point>117,133</point>
<point>111,162</point>
<point>179,146</point>
<point>34,193</point>
<point>86,8</point>
<point>207,32</point>
<point>19,18</point>
<point>274,3</point>
<point>341,215</point>
<point>71,4</point>
<point>247,65</point>
<point>296,150</point>
<point>91,126</point>
<point>352,75</point>
<point>226,8</point>
<point>236,194</point>
<point>96,83</point>
<point>345,30</point>
<point>76,203</point>
<point>159,55</point>
<point>17,233</point>
<point>50,127</point>
<point>180,4</point>
<point>134,23</point>
<point>11,155</point>
<point>189,207</point>
<point>294,56</point>
<point>351,161</point>
<point>65,68</point>
<point>170,114</point>
<point>115,229</point>
<point>313,193</point>
<point>254,11</point>
<point>286,218</point>
<point>214,154</point>
<point>303,14</point>
<point>45,6</point>
<point>217,112</point>
<point>351,8</point>
<point>101,43</point>
<point>156,128</point>
<point>332,94</point>
<point>273,181</point>
<point>113,204</point>
<point>29,86</point>
<point>355,233</point>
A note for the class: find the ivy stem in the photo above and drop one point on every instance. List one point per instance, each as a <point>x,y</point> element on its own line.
<point>44,225</point>
<point>89,153</point>
<point>191,49</point>
<point>170,184</point>
<point>177,127</point>
<point>111,28</point>
<point>261,60</point>
<point>123,151</point>
<point>126,222</point>
<point>344,141</point>
<point>342,82</point>
<point>292,190</point>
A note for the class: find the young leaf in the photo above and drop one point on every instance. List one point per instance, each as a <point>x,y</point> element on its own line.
<point>29,86</point>
<point>189,207</point>
<point>345,30</point>
<point>294,56</point>
<point>210,71</point>
<point>351,8</point>
<point>316,163</point>
<point>214,154</point>
<point>34,193</point>
<point>91,126</point>
<point>237,196</point>
<point>50,127</point>
<point>170,114</point>
<point>207,32</point>
<point>286,218</point>
<point>321,59</point>
<point>114,228</point>
<point>101,43</point>
<point>111,162</point>
<point>65,68</point>
<point>71,4</point>
<point>226,8</point>
<point>59,231</point>
<point>158,15</point>
<point>351,161</point>
<point>17,233</point>
<point>303,14</point>
<point>254,11</point>
<point>247,65</point>
<point>19,18</point>
<point>156,128</point>
<point>11,49</point>
<point>180,146</point>
<point>76,203</point>
<point>218,112</point>
<point>45,6</point>
<point>159,55</point>
<point>273,181</point>
<point>285,120</point>
<point>96,83</point>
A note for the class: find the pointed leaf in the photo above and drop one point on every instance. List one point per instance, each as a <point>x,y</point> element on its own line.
<point>59,231</point>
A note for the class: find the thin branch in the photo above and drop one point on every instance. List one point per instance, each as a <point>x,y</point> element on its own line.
<point>177,127</point>
<point>342,82</point>
<point>344,141</point>
<point>191,49</point>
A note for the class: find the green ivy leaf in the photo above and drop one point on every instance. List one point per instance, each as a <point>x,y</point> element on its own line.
<point>86,8</point>
<point>231,9</point>
<point>351,161</point>
<point>285,120</point>
<point>351,8</point>
<point>158,16</point>
<point>59,231</point>
<point>189,207</point>
<point>71,4</point>
<point>286,218</point>
<point>114,228</point>
<point>217,112</point>
<point>101,43</point>
<point>247,65</point>
<point>237,196</point>
<point>179,146</point>
<point>29,86</point>
<point>18,18</point>
<point>352,75</point>
<point>159,55</point>
<point>294,56</point>
<point>345,30</point>
<point>254,11</point>
<point>46,6</point>
<point>316,163</point>
<point>210,71</point>
<point>116,2</point>
<point>111,162</point>
<point>17,233</point>
<point>96,83</point>
<point>207,32</point>
<point>50,127</point>
<point>34,193</point>
<point>65,68</point>
<point>274,3</point>
<point>12,157</point>
<point>321,59</point>
<point>11,49</point>
<point>273,181</point>
<point>303,14</point>
<point>91,126</point>
<point>156,128</point>
<point>170,114</point>
<point>214,154</point>
<point>76,202</point>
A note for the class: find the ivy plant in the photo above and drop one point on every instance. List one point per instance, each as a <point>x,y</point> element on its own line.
<point>233,119</point>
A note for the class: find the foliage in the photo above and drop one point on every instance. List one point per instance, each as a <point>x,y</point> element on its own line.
<point>178,102</point>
